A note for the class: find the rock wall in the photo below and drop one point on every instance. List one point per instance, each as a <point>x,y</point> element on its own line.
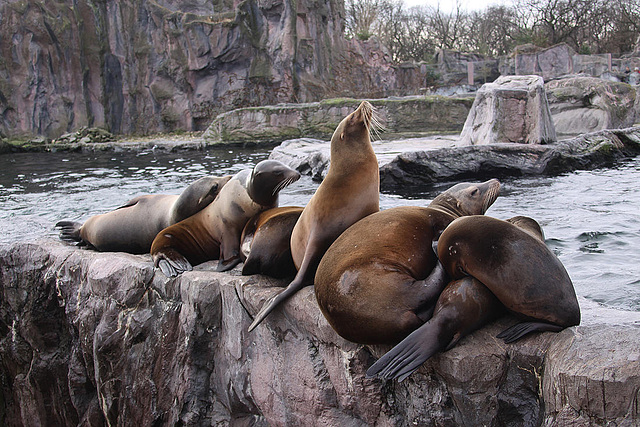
<point>97,339</point>
<point>141,66</point>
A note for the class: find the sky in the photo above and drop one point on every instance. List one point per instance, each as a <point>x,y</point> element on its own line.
<point>449,5</point>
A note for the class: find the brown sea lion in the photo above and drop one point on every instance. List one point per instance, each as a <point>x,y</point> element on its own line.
<point>266,242</point>
<point>517,267</point>
<point>378,281</point>
<point>214,232</point>
<point>133,226</point>
<point>349,192</point>
<point>518,272</point>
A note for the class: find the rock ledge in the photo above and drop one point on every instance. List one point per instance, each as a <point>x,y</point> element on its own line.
<point>102,339</point>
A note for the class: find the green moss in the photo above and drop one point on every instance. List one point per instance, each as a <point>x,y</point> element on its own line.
<point>260,68</point>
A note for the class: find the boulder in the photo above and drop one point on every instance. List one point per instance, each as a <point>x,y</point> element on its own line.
<point>430,160</point>
<point>548,63</point>
<point>511,109</point>
<point>90,338</point>
<point>582,104</point>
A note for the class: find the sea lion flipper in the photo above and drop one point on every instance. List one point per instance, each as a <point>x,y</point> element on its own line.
<point>228,264</point>
<point>131,202</point>
<point>268,307</point>
<point>171,262</point>
<point>519,330</point>
<point>409,354</point>
<point>70,232</point>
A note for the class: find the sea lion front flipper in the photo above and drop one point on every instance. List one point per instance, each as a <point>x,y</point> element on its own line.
<point>228,264</point>
<point>409,354</point>
<point>300,281</point>
<point>519,330</point>
<point>131,202</point>
<point>171,262</point>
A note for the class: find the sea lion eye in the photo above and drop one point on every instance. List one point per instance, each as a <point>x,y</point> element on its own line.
<point>474,192</point>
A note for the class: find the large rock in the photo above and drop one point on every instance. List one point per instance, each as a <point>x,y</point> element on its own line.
<point>400,116</point>
<point>511,109</point>
<point>581,104</point>
<point>430,160</point>
<point>96,339</point>
<point>551,62</point>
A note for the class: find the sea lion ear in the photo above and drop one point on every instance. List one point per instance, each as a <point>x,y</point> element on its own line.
<point>342,135</point>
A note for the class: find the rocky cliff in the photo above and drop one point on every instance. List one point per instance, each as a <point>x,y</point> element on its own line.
<point>140,66</point>
<point>96,339</point>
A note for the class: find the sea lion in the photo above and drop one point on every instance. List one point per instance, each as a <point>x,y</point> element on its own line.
<point>349,192</point>
<point>378,282</point>
<point>512,268</point>
<point>133,226</point>
<point>266,242</point>
<point>214,232</point>
<point>517,267</point>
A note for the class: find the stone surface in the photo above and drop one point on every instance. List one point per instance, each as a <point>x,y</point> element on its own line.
<point>581,104</point>
<point>511,109</point>
<point>102,339</point>
<point>400,116</point>
<point>551,62</point>
<point>429,160</point>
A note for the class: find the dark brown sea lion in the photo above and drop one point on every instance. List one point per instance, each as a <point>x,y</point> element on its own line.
<point>520,273</point>
<point>133,226</point>
<point>214,232</point>
<point>517,267</point>
<point>349,192</point>
<point>378,281</point>
<point>266,242</point>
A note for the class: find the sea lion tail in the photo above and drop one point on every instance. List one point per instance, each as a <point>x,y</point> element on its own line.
<point>70,232</point>
<point>409,354</point>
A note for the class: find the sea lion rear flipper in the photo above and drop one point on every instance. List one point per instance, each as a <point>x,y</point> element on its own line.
<point>70,232</point>
<point>171,262</point>
<point>409,354</point>
<point>519,330</point>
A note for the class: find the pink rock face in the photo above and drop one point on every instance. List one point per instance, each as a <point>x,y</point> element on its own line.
<point>142,67</point>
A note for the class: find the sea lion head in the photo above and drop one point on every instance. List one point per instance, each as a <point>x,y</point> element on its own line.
<point>267,179</point>
<point>357,125</point>
<point>198,195</point>
<point>468,198</point>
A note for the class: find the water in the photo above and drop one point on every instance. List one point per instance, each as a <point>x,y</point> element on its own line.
<point>590,218</point>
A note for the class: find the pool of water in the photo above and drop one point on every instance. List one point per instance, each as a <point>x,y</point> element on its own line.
<point>591,219</point>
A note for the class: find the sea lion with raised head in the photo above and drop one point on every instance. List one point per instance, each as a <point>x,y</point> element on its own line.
<point>214,232</point>
<point>133,226</point>
<point>378,281</point>
<point>518,273</point>
<point>265,244</point>
<point>349,192</point>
